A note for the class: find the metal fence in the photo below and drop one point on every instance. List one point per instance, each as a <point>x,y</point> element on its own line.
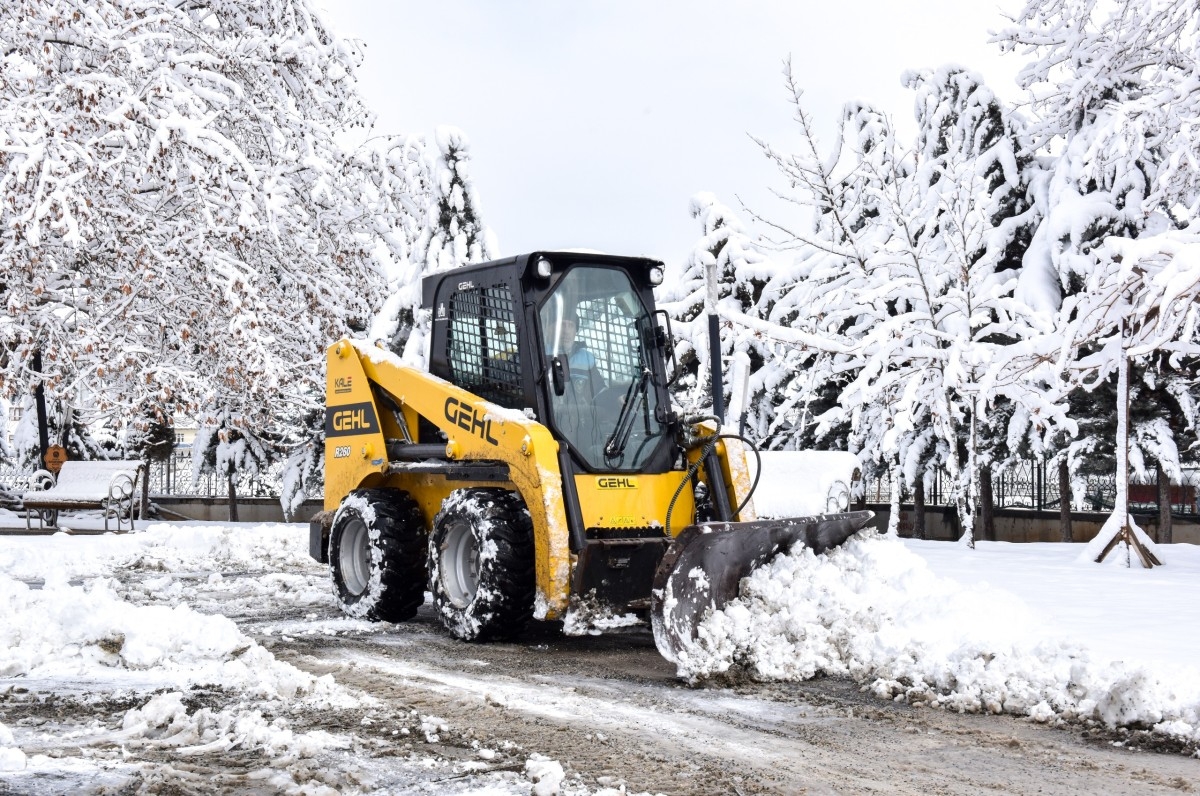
<point>1033,484</point>
<point>174,477</point>
<point>14,478</point>
<point>1030,484</point>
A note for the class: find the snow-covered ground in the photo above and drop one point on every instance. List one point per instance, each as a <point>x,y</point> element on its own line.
<point>133,634</point>
<point>137,622</point>
<point>1026,629</point>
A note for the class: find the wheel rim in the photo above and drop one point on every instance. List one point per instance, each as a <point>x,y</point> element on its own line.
<point>459,564</point>
<point>354,557</point>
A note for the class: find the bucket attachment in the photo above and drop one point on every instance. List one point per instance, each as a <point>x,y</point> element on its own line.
<point>703,568</point>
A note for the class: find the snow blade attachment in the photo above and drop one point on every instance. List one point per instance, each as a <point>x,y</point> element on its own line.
<point>703,568</point>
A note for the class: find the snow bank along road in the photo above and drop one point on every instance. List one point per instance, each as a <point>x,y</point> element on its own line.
<point>200,658</point>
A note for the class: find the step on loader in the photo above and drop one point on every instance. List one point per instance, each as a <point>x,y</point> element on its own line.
<point>538,466</point>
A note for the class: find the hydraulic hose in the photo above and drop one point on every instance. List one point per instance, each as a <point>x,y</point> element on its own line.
<point>711,443</point>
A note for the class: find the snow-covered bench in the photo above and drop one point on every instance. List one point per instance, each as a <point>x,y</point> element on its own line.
<point>105,485</point>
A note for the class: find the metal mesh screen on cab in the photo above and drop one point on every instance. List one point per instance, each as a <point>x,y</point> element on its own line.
<point>612,337</point>
<point>482,345</point>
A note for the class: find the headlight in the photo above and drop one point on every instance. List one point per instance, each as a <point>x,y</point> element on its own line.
<point>543,267</point>
<point>656,276</point>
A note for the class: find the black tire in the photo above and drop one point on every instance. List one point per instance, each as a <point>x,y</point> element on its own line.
<point>377,555</point>
<point>481,570</point>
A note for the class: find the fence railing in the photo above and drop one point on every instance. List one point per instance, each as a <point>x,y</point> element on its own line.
<point>174,477</point>
<point>1033,484</point>
<point>14,478</point>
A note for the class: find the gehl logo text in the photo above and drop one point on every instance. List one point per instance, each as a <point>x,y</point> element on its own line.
<point>616,483</point>
<point>468,418</point>
<point>351,420</point>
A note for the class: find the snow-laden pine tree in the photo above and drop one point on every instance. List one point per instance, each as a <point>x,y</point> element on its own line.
<point>1115,259</point>
<point>64,427</point>
<point>455,233</point>
<point>402,181</point>
<point>150,436</point>
<point>303,475</point>
<point>179,220</point>
<point>741,271</point>
<point>449,233</point>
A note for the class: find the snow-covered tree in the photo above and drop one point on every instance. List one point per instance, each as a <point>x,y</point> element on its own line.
<point>741,272</point>
<point>907,281</point>
<point>445,231</point>
<point>401,174</point>
<point>455,233</point>
<point>226,445</point>
<point>150,436</point>
<point>835,244</point>
<point>64,427</point>
<point>1114,260</point>
<point>179,220</point>
<point>970,150</point>
<point>304,468</point>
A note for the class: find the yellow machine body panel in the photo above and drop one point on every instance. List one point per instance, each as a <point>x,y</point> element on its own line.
<point>735,471</point>
<point>476,430</point>
<point>355,448</point>
<point>634,501</point>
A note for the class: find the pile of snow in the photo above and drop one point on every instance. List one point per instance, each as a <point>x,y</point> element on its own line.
<point>166,547</point>
<point>11,758</point>
<point>546,774</point>
<point>164,721</point>
<point>88,632</point>
<point>874,611</point>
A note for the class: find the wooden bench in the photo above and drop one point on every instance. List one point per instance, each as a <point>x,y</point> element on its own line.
<point>105,485</point>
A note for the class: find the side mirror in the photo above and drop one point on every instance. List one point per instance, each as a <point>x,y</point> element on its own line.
<point>558,375</point>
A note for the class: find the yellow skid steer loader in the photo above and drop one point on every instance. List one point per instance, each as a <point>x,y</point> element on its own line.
<point>538,465</point>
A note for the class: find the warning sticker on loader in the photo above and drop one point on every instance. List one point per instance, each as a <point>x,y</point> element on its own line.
<point>341,421</point>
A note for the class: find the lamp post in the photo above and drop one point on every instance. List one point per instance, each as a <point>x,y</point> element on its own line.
<point>39,400</point>
<point>714,341</point>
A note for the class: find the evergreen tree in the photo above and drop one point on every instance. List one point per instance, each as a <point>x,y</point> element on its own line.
<point>402,182</point>
<point>454,232</point>
<point>228,445</point>
<point>151,436</point>
<point>447,233</point>
<point>304,471</point>
<point>65,428</point>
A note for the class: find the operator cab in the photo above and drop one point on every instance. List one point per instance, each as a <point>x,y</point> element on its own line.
<point>570,337</point>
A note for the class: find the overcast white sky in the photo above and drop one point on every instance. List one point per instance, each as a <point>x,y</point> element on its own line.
<point>592,122</point>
